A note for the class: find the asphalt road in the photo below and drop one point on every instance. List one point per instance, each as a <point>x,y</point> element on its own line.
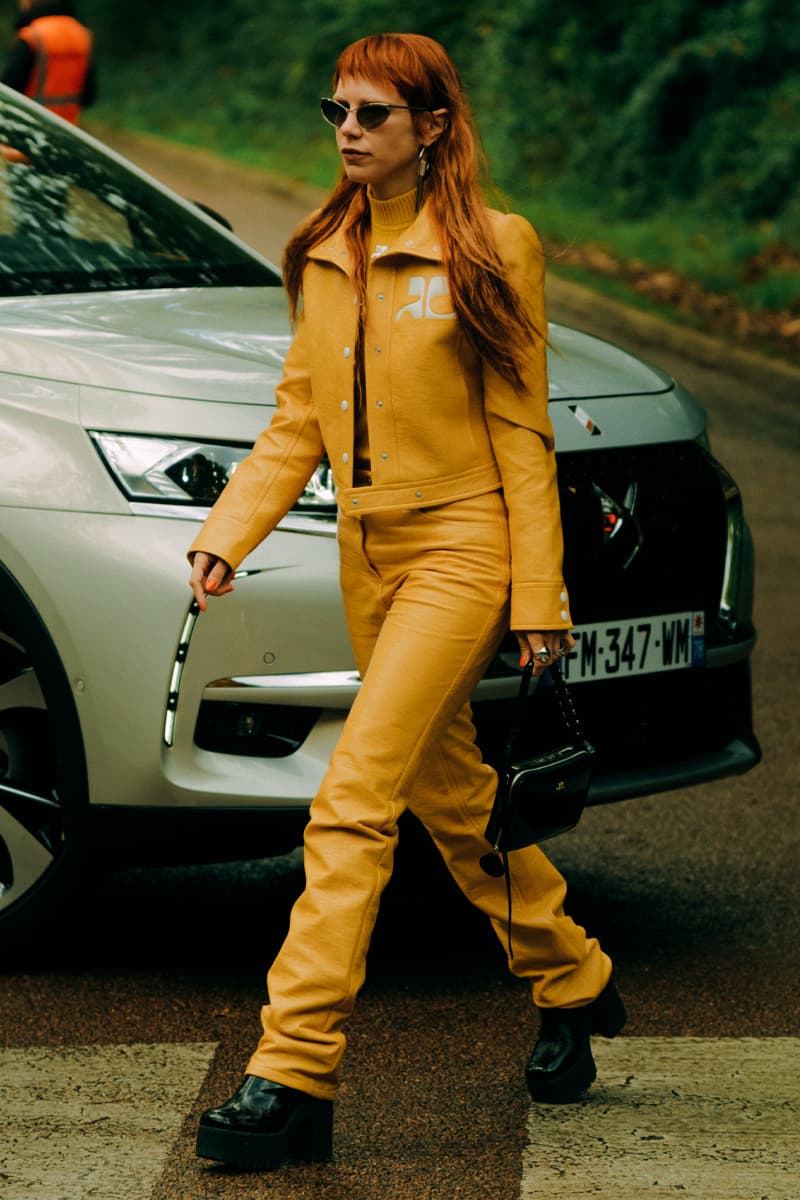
<point>693,893</point>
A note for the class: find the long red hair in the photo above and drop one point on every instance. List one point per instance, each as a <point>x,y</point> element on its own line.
<point>489,309</point>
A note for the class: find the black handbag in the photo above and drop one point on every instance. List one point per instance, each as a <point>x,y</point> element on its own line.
<point>540,796</point>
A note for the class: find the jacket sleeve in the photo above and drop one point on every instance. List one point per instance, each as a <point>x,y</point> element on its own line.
<point>268,482</point>
<point>523,444</point>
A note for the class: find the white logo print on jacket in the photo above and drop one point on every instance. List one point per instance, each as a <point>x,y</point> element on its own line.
<point>424,292</point>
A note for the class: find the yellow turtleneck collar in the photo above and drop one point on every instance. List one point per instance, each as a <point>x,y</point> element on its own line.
<point>392,216</point>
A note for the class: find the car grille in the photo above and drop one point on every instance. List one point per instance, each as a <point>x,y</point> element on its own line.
<point>667,555</point>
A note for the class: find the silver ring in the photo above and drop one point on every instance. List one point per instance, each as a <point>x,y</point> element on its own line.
<point>542,656</point>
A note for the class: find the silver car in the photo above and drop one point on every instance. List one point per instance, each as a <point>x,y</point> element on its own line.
<point>140,345</point>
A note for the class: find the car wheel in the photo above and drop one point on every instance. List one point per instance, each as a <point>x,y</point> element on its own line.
<point>42,780</point>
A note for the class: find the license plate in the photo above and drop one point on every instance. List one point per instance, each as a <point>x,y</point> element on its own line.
<point>614,649</point>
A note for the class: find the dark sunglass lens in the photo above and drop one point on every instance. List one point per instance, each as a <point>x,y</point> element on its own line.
<point>370,116</point>
<point>334,113</point>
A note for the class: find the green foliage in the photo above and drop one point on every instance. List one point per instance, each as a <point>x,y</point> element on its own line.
<point>637,104</point>
<point>636,118</point>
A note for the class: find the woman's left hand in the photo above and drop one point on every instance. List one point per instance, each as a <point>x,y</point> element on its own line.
<point>533,643</point>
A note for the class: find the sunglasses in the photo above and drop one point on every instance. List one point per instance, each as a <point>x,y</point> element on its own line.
<point>369,116</point>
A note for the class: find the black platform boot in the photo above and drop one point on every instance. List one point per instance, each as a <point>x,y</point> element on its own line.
<point>561,1066</point>
<point>263,1124</point>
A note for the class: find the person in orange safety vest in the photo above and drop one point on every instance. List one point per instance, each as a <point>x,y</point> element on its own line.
<point>51,60</point>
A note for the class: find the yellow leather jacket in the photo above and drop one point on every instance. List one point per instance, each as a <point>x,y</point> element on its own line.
<point>443,425</point>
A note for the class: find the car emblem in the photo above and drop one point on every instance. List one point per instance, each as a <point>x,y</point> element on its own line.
<point>621,528</point>
<point>583,418</point>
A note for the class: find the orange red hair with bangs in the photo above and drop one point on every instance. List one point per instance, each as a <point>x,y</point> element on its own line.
<point>490,311</point>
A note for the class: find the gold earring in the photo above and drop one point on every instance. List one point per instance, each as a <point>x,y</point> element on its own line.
<point>423,167</point>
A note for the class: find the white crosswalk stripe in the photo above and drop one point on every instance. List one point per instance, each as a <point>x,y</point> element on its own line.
<point>697,1118</point>
<point>94,1120</point>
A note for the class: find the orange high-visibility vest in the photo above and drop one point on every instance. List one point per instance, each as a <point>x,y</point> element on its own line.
<point>62,50</point>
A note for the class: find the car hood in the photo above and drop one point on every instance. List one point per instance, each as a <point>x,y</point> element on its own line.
<point>229,344</point>
<point>202,344</point>
<point>581,367</point>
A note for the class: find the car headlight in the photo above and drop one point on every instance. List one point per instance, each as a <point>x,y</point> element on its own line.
<point>174,470</point>
<point>188,472</point>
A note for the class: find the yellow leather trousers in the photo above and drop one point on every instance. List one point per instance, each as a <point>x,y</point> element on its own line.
<point>426,596</point>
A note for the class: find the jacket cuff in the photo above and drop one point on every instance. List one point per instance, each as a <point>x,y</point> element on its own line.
<point>225,538</point>
<point>540,606</point>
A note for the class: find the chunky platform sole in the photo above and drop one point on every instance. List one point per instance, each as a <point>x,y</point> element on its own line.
<point>606,1017</point>
<point>306,1136</point>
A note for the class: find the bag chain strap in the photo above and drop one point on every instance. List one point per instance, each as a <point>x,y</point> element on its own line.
<point>566,706</point>
<point>565,703</point>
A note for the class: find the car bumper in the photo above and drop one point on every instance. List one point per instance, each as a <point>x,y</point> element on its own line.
<point>654,733</point>
<point>145,670</point>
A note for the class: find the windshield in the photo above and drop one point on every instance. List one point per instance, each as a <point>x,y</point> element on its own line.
<point>74,220</point>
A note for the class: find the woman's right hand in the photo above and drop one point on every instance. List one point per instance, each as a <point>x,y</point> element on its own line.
<point>211,576</point>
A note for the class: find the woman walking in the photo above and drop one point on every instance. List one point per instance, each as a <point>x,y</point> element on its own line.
<point>418,365</point>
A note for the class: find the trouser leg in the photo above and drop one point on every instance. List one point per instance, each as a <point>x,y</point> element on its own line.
<point>432,614</point>
<point>453,797</point>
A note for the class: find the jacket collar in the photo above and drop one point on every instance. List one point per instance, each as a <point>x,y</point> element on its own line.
<point>420,240</point>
